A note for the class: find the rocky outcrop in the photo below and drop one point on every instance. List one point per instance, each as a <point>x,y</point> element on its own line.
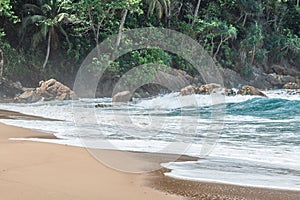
<point>28,96</point>
<point>276,78</point>
<point>189,90</point>
<point>9,89</point>
<point>291,85</point>
<point>124,96</point>
<point>280,80</point>
<point>232,79</point>
<point>278,69</point>
<point>47,91</point>
<point>250,90</point>
<point>163,82</point>
<point>209,88</point>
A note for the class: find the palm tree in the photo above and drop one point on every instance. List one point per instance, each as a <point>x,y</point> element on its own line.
<point>48,15</point>
<point>160,6</point>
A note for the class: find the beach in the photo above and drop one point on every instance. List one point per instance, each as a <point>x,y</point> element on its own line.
<point>34,170</point>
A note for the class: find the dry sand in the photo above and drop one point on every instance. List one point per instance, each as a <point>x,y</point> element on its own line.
<point>33,170</point>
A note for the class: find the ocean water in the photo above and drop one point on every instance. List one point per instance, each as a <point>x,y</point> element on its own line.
<point>244,140</point>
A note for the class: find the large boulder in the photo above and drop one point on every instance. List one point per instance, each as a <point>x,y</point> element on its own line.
<point>209,88</point>
<point>28,96</point>
<point>47,91</point>
<point>9,89</point>
<point>188,90</point>
<point>250,90</point>
<point>232,79</point>
<point>123,96</point>
<point>291,85</point>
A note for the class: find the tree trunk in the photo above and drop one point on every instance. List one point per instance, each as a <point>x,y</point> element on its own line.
<point>212,46</point>
<point>48,49</point>
<point>196,12</point>
<point>298,2</point>
<point>245,19</point>
<point>253,55</point>
<point>1,63</point>
<point>121,27</point>
<point>219,46</point>
<point>96,32</point>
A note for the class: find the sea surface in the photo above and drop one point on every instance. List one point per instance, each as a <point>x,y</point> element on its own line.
<point>244,140</point>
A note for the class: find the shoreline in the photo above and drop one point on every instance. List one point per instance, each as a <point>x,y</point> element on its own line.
<point>35,170</point>
<point>154,183</point>
<point>210,190</point>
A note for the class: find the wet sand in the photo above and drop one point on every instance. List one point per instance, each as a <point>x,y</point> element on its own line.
<point>208,191</point>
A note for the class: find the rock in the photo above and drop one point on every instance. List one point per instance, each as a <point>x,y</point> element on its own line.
<point>231,92</point>
<point>274,79</point>
<point>258,79</point>
<point>188,90</point>
<point>284,70</point>
<point>232,79</point>
<point>280,80</point>
<point>293,92</point>
<point>28,96</point>
<point>124,96</point>
<point>208,88</point>
<point>184,75</point>
<point>101,105</point>
<point>250,90</point>
<point>287,79</point>
<point>291,85</point>
<point>105,85</point>
<point>47,91</point>
<point>9,89</point>
<point>172,80</point>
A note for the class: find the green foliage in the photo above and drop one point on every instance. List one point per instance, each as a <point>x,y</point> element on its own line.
<point>213,33</point>
<point>144,56</point>
<point>6,11</point>
<point>49,16</point>
<point>228,56</point>
<point>15,62</point>
<point>247,71</point>
<point>253,41</point>
<point>283,45</point>
<point>263,31</point>
<point>160,6</point>
<point>145,74</point>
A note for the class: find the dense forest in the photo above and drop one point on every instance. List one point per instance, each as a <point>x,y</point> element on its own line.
<point>50,38</point>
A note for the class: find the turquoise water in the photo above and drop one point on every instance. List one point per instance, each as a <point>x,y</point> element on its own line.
<point>244,140</point>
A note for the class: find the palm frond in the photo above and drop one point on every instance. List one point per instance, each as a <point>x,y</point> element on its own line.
<point>30,20</point>
<point>46,8</point>
<point>31,8</point>
<point>62,30</point>
<point>61,16</point>
<point>160,6</point>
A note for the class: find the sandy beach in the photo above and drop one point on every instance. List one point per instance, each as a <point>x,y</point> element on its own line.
<point>33,170</point>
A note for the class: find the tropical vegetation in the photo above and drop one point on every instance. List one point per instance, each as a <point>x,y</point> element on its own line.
<point>43,38</point>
